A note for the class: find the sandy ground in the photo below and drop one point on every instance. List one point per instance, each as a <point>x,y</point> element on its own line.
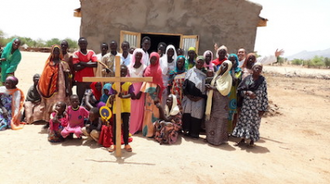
<point>294,146</point>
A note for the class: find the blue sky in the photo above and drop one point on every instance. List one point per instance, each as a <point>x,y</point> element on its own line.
<point>293,25</point>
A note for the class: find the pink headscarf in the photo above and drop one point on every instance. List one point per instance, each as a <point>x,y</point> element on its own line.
<point>137,50</point>
<point>209,66</point>
<point>154,70</point>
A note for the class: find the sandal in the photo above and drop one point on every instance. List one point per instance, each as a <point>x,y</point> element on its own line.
<point>128,148</point>
<point>112,149</point>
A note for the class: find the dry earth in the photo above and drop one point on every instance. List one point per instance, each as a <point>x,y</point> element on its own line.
<point>294,145</point>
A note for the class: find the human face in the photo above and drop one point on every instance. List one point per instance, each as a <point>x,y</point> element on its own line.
<point>223,68</point>
<point>138,57</point>
<point>106,91</point>
<point>170,52</point>
<point>153,60</point>
<point>113,46</point>
<point>233,61</point>
<point>191,54</point>
<point>180,63</point>
<point>162,49</point>
<point>208,58</point>
<point>146,45</point>
<point>104,49</point>
<point>64,45</point>
<point>9,84</point>
<point>209,73</point>
<point>83,44</point>
<point>241,54</point>
<point>199,64</point>
<point>92,116</point>
<point>179,51</point>
<point>123,71</point>
<point>36,80</point>
<point>16,44</point>
<point>257,70</point>
<point>98,86</point>
<point>251,60</point>
<point>56,52</point>
<point>60,107</point>
<point>222,54</point>
<point>124,47</point>
<point>169,101</point>
<point>74,101</point>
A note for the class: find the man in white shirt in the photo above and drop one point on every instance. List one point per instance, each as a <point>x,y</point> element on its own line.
<point>145,44</point>
<point>125,56</point>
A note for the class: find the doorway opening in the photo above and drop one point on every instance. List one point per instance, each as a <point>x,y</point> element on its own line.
<point>157,38</point>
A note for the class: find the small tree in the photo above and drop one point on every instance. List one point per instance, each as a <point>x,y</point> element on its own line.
<point>297,62</point>
<point>327,62</point>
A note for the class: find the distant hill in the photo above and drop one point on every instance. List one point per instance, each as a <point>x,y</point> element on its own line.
<point>310,54</point>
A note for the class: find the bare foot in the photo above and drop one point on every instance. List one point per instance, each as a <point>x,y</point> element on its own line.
<point>240,142</point>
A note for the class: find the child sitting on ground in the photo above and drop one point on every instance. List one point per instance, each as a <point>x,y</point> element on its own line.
<point>93,127</point>
<point>127,92</point>
<point>76,114</point>
<point>59,120</point>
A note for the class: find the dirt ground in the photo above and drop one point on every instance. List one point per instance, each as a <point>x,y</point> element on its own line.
<point>294,145</point>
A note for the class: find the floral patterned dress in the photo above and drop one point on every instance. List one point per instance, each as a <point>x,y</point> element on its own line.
<point>6,102</point>
<point>249,121</point>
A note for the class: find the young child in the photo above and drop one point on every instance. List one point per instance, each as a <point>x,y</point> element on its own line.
<point>209,76</point>
<point>93,127</point>
<point>76,115</point>
<point>59,120</point>
<point>127,92</point>
<point>32,112</point>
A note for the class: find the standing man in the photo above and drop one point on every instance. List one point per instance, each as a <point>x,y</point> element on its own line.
<point>125,56</point>
<point>109,60</point>
<point>83,63</point>
<point>10,59</point>
<point>145,44</point>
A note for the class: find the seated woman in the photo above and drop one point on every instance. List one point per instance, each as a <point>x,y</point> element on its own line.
<point>169,124</point>
<point>32,112</point>
<point>92,96</point>
<point>11,102</point>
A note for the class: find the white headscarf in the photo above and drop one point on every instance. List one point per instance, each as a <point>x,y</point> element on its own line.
<point>138,72</point>
<point>223,85</point>
<point>175,108</point>
<point>164,60</point>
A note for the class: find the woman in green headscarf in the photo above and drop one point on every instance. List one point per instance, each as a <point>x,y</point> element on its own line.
<point>10,58</point>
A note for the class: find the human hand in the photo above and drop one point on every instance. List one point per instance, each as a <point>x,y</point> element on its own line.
<point>156,100</point>
<point>138,96</point>
<point>5,113</point>
<point>261,113</point>
<point>209,87</point>
<point>279,52</point>
<point>107,70</point>
<point>251,94</point>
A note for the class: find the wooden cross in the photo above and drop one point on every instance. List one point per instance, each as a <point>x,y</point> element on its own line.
<point>117,80</point>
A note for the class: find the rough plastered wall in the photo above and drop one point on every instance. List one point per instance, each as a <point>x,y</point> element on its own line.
<point>227,22</point>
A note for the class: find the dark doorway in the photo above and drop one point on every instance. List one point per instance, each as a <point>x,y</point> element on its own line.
<point>157,38</point>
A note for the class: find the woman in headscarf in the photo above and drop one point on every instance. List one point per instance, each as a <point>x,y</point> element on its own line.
<point>253,89</point>
<point>11,103</point>
<point>208,65</point>
<point>32,112</point>
<point>176,79</point>
<point>10,59</point>
<point>136,69</point>
<point>53,84</point>
<point>167,64</point>
<point>216,114</point>
<point>153,91</point>
<point>247,65</point>
<point>221,56</point>
<point>191,60</point>
<point>193,102</point>
<point>105,92</point>
<point>169,124</point>
<point>236,74</point>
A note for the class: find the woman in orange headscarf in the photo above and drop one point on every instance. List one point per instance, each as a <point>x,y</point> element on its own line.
<point>54,85</point>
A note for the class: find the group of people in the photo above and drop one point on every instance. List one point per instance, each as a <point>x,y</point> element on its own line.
<point>223,96</point>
